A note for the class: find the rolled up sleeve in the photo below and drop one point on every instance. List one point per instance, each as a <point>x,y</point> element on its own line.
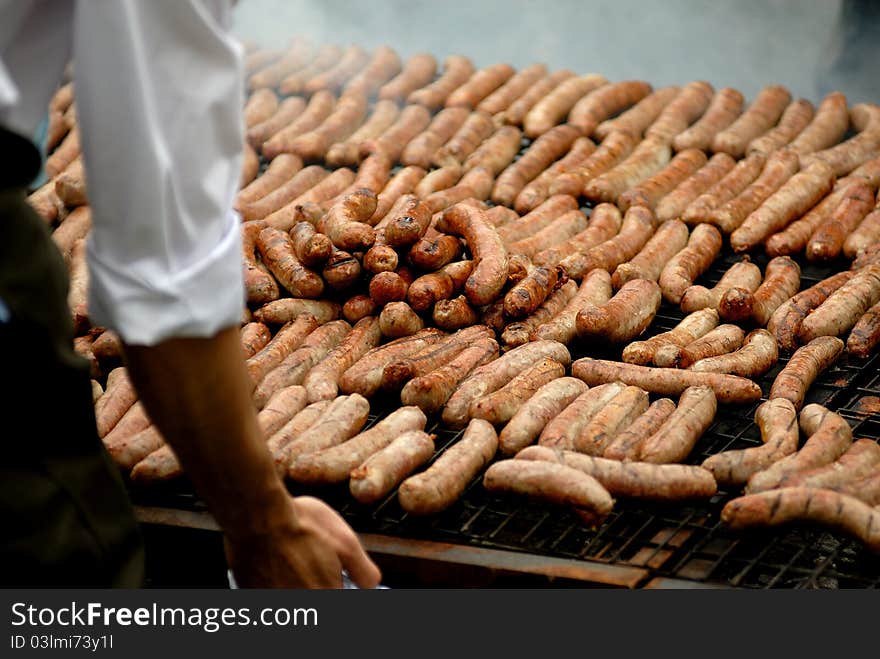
<point>159,96</point>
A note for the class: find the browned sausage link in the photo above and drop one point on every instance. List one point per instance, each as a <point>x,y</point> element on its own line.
<point>473,186</point>
<point>637,119</point>
<point>408,223</point>
<point>795,118</point>
<point>860,240</point>
<point>276,249</point>
<point>502,98</point>
<point>420,151</point>
<point>652,190</point>
<point>373,174</point>
<point>633,479</point>
<point>610,153</point>
<point>322,381</point>
<point>326,57</point>
<point>865,489</point>
<point>378,475</point>
<point>563,430</point>
<point>538,190</point>
<point>780,168</point>
<point>844,306</point>
<point>857,150</point>
<point>347,152</point>
<point>869,256</point>
<point>603,224</point>
<point>628,443</point>
<point>298,56</point>
<point>734,182</point>
<point>261,105</point>
<point>341,271</point>
<point>517,333</point>
<point>397,319</point>
<point>723,110</point>
<point>538,219</point>
<point>860,460</point>
<point>531,418</point>
<point>285,194</point>
<point>742,274</point>
<point>348,114</point>
<point>646,160</point>
<point>666,381</point>
<point>476,128</point>
<point>500,405</point>
<point>624,316</point>
<point>430,392</point>
<point>434,253</point>
<point>445,480</point>
<point>516,113</point>
<point>288,338</point>
<point>282,311</point>
<point>490,256</point>
<point>413,120</point>
<point>353,59</point>
<point>364,377</point>
<point>498,151</point>
<point>454,314</point>
<point>307,205</point>
<point>777,421</point>
<point>528,293</point>
<point>605,102</point>
<point>382,66</point>
<point>388,287</point>
<point>675,439</point>
<point>344,224</point>
<point>785,323</point>
<point>828,437</point>
<point>334,464</point>
<point>281,169</point>
<point>692,327</point>
<point>758,118</point>
<point>428,289</point>
<point>804,367</point>
<point>618,414</point>
<point>456,71</point>
<point>479,86</point>
<point>791,200</point>
<point>827,240</point>
<point>551,482</point>
<point>782,280</point>
<point>319,108</point>
<point>310,247</point>
<point>670,238</point>
<point>865,334</point>
<point>439,179</point>
<point>757,356</point>
<point>555,106</point>
<point>403,183</point>
<point>719,341</point>
<point>832,509</point>
<point>357,307</point>
<point>688,106</point>
<point>288,111</point>
<point>703,246</point>
<point>418,71</point>
<point>492,376</point>
<point>827,128</point>
<point>563,228</point>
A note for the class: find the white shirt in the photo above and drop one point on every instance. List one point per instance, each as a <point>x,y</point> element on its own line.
<point>159,95</point>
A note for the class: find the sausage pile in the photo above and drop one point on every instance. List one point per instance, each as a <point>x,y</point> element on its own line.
<point>401,243</point>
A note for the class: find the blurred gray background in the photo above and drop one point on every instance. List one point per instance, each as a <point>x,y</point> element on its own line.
<point>745,43</point>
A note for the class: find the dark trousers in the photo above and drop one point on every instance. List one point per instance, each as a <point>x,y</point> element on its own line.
<point>65,517</point>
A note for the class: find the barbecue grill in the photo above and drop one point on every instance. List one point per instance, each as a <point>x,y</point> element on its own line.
<point>640,544</point>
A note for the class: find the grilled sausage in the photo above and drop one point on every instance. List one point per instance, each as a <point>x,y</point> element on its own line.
<point>794,119</point>
<point>670,238</point>
<point>804,367</point>
<point>673,205</point>
<point>757,356</point>
<point>677,436</point>
<point>758,118</point>
<point>844,307</point>
<point>563,430</point>
<point>723,110</point>
<point>378,475</point>
<point>628,443</point>
<point>624,316</point>
<point>680,272</point>
<point>786,321</point>
<point>694,326</point>
<point>499,406</point>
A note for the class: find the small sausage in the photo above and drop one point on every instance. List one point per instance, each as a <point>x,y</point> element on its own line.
<point>624,316</point>
<point>563,430</point>
<point>353,60</point>
<point>499,406</point>
<point>417,72</point>
<point>693,326</point>
<point>346,117</point>
<point>562,229</point>
<point>742,274</point>
<point>677,436</point>
<point>730,185</point>
<point>786,321</point>
<point>827,128</point>
<point>865,334</point>
<point>795,118</point>
<point>454,314</point>
<point>673,205</point>
<point>605,102</point>
<point>531,418</point>
<point>538,189</point>
<point>280,170</point>
<point>477,127</point>
<point>413,120</point>
<point>345,152</point>
<point>666,381</point>
<point>420,151</point>
<point>777,421</point>
<point>278,254</point>
<point>758,118</point>
<point>497,152</point>
<point>843,308</point>
<point>383,65</point>
<point>683,110</point>
<point>555,106</point>
<point>520,332</point>
<point>722,111</point>
<point>857,150</point>
<point>519,109</point>
<point>628,443</point>
<point>118,398</point>
<point>322,380</point>
<point>595,289</point>
<point>603,224</point>
<point>646,160</point>
<point>319,108</point>
<point>397,319</point>
<point>456,71</point>
<point>379,473</point>
<point>254,337</point>
<point>652,190</point>
<point>782,280</point>
<point>512,90</point>
<point>428,289</point>
<point>865,235</point>
<point>282,441</point>
<point>860,459</point>
<point>310,247</point>
<point>538,219</point>
<point>432,254</point>
<point>551,482</point>
<point>618,414</point>
<point>288,339</point>
<point>719,341</point>
<point>670,238</point>
<point>757,356</point>
<point>284,195</point>
<point>637,119</point>
<point>680,272</point>
<point>342,420</point>
<point>479,86</point>
<point>439,486</point>
<point>283,311</point>
<point>296,57</point>
<point>613,150</point>
<point>294,82</point>
<point>828,239</point>
<point>804,367</point>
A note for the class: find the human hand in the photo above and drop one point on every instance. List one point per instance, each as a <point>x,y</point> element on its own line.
<point>307,546</point>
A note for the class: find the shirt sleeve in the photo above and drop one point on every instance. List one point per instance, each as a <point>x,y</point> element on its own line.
<point>159,92</point>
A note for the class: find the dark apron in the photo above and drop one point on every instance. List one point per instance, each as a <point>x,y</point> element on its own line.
<point>65,517</point>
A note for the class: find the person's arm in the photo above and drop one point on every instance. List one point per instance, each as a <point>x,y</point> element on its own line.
<point>159,101</point>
